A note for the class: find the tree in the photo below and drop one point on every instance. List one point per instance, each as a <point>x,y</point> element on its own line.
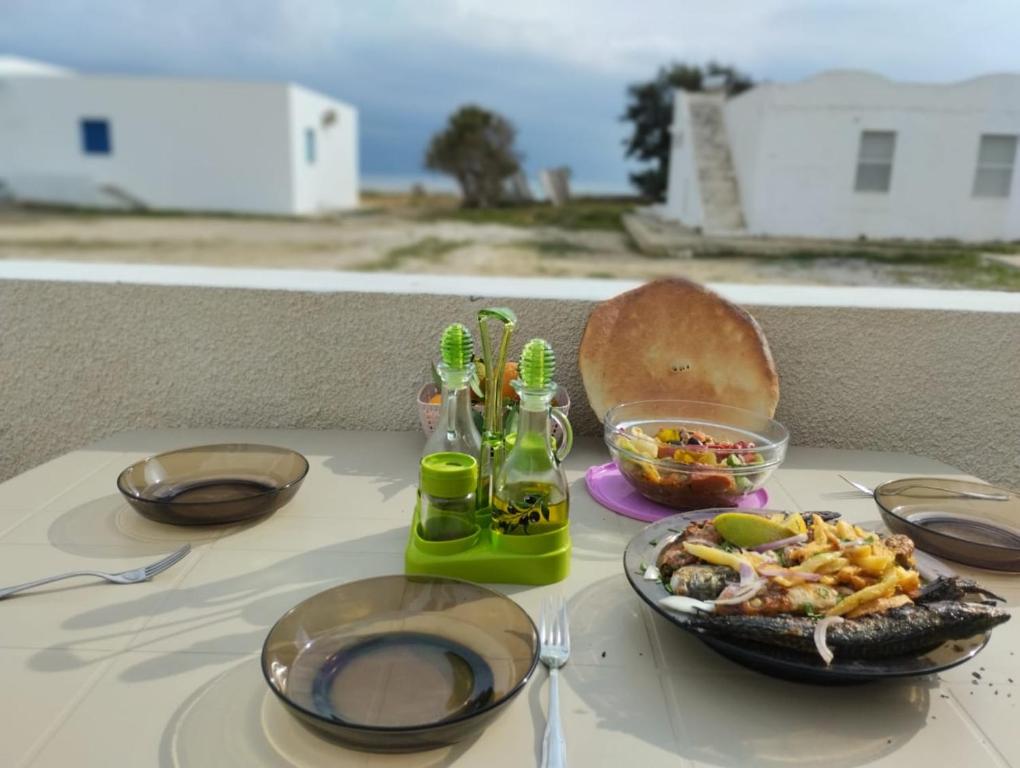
<point>477,148</point>
<point>650,109</point>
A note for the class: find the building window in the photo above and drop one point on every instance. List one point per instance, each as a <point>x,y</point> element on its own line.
<point>874,161</point>
<point>95,136</point>
<point>310,145</point>
<point>994,175</point>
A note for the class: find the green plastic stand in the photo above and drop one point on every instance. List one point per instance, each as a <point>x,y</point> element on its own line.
<point>491,556</point>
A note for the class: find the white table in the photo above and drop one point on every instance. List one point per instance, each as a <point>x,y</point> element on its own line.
<point>166,673</point>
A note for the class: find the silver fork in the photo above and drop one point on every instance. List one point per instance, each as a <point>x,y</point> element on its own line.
<point>123,577</point>
<point>554,633</point>
<point>946,492</point>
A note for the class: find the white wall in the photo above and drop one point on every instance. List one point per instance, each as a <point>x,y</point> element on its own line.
<point>331,182</point>
<point>150,347</point>
<point>795,151</point>
<point>683,193</point>
<point>176,144</point>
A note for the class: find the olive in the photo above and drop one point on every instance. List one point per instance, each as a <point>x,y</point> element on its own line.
<point>694,441</point>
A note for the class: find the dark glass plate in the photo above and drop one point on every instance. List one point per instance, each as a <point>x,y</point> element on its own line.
<point>213,484</point>
<point>942,521</point>
<point>780,662</point>
<point>400,663</point>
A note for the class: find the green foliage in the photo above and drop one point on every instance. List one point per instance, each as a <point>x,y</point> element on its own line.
<point>553,247</point>
<point>578,213</point>
<point>650,110</point>
<point>430,249</point>
<point>477,148</point>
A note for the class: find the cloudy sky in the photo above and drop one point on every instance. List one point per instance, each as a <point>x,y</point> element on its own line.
<point>557,69</point>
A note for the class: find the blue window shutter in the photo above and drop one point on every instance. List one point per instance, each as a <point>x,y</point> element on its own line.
<point>310,145</point>
<point>95,136</point>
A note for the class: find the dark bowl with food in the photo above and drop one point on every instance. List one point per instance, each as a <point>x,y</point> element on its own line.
<point>691,455</point>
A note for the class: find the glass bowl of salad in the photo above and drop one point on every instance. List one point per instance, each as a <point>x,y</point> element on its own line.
<point>691,455</point>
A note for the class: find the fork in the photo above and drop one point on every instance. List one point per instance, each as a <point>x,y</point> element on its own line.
<point>554,633</point>
<point>123,577</point>
<point>945,491</point>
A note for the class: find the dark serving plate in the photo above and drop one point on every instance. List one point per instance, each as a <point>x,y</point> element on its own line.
<point>213,484</point>
<point>942,520</point>
<point>781,662</point>
<point>400,663</point>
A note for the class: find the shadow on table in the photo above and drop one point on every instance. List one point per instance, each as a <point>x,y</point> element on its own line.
<point>368,458</point>
<point>106,526</point>
<point>790,724</point>
<point>235,720</point>
<point>255,597</point>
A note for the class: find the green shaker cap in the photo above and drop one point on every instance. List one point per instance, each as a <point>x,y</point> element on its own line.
<point>449,475</point>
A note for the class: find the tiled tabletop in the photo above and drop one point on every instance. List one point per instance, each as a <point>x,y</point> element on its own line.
<point>166,673</point>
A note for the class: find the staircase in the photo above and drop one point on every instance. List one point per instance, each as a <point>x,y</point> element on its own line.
<point>720,196</point>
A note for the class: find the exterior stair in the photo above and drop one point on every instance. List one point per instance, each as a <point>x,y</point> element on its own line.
<point>720,195</point>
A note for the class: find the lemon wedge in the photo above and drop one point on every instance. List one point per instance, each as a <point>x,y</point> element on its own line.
<point>745,530</point>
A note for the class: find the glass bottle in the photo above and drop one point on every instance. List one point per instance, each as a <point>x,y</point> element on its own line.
<point>531,494</point>
<point>455,431</point>
<point>448,482</point>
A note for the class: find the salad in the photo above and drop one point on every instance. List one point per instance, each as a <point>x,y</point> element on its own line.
<point>685,468</point>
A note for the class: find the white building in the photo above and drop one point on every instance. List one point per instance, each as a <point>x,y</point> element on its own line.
<point>850,154</point>
<point>173,144</point>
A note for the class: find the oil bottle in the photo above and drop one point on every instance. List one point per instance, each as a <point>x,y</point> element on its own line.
<point>531,494</point>
<point>455,430</point>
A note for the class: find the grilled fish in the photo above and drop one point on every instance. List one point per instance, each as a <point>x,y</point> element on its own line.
<point>702,582</point>
<point>898,631</point>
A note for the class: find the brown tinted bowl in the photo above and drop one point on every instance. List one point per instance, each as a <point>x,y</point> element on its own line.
<point>400,663</point>
<point>213,484</point>
<point>973,531</point>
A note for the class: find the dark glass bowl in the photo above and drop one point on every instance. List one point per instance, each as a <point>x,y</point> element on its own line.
<point>213,484</point>
<point>942,520</point>
<point>400,663</point>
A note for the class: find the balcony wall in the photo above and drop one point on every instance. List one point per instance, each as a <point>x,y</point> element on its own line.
<point>90,350</point>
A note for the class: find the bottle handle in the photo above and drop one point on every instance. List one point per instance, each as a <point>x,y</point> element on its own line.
<point>568,433</point>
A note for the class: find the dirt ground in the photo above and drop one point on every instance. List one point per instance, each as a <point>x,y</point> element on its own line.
<point>390,237</point>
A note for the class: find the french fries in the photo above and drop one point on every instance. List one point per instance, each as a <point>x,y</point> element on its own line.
<point>893,579</point>
<point>881,605</point>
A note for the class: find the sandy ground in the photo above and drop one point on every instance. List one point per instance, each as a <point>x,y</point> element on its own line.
<point>387,240</point>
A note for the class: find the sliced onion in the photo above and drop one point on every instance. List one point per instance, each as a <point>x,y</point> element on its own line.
<point>747,574</point>
<point>683,604</point>
<point>652,574</point>
<point>821,629</point>
<point>800,538</point>
<point>739,594</point>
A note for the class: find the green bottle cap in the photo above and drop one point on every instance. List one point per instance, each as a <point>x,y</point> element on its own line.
<point>456,347</point>
<point>449,475</point>
<point>538,364</point>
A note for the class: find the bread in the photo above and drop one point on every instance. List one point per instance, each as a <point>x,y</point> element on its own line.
<point>672,339</point>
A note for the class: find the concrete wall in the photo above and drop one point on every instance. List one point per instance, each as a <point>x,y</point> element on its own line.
<point>683,194</point>
<point>82,360</point>
<point>176,144</point>
<point>795,149</point>
<point>331,182</point>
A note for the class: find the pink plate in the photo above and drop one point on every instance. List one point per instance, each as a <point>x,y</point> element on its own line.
<point>611,489</point>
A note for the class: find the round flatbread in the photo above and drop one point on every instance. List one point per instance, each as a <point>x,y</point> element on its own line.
<point>672,339</point>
